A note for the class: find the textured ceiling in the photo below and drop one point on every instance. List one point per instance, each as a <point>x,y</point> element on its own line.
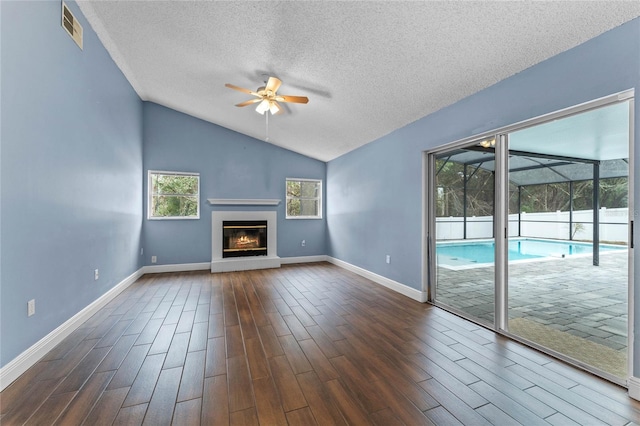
<point>368,68</point>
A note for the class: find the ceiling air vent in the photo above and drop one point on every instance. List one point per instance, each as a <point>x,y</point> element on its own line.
<point>71,25</point>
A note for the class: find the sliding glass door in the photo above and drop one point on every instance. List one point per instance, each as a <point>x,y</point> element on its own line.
<point>529,230</point>
<point>464,206</point>
<point>568,215</point>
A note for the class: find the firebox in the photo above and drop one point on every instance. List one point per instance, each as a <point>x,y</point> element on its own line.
<point>242,238</point>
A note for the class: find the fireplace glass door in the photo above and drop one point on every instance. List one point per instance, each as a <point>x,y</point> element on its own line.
<point>244,238</point>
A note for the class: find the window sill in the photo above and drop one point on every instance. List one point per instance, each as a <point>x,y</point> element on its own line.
<point>243,202</point>
<point>303,217</point>
<point>174,218</point>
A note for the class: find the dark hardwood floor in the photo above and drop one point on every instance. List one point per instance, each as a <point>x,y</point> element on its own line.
<point>301,345</point>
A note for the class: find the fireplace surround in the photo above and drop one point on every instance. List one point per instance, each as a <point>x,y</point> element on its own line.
<point>248,251</point>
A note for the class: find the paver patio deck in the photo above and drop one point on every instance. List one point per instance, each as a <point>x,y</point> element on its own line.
<point>567,294</point>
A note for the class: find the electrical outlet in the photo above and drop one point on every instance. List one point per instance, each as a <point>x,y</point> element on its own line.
<point>154,259</point>
<point>141,251</point>
<point>96,275</point>
<point>303,243</point>
<point>388,258</point>
<point>31,307</point>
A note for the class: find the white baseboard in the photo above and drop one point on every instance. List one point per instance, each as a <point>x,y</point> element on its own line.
<point>633,384</point>
<point>32,355</point>
<point>403,289</point>
<point>176,267</point>
<point>304,259</point>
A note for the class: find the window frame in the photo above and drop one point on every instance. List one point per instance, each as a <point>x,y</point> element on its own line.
<point>150,194</point>
<point>318,198</point>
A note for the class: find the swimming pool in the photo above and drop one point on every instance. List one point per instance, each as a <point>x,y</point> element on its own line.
<point>470,254</point>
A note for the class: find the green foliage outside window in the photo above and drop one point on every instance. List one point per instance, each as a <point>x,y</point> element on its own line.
<point>548,197</point>
<point>174,195</point>
<point>303,198</point>
<point>450,193</point>
<point>556,196</point>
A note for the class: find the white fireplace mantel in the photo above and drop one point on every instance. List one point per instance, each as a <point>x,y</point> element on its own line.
<point>220,264</point>
<point>243,201</point>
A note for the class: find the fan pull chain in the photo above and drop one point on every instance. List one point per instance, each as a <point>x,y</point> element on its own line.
<point>266,139</point>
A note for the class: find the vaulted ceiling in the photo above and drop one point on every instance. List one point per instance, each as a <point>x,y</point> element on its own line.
<point>368,68</point>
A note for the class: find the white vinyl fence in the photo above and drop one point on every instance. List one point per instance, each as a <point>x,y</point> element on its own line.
<point>613,226</point>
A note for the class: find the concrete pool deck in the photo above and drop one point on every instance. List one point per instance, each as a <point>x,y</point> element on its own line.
<point>566,294</point>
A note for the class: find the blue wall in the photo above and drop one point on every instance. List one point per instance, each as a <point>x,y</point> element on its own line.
<point>375,192</point>
<point>231,165</point>
<point>71,173</point>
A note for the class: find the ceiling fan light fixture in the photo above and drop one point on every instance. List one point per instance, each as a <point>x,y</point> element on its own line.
<point>267,96</point>
<point>263,106</point>
<point>488,143</point>
<point>274,108</point>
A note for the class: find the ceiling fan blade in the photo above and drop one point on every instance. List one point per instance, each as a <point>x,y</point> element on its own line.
<point>241,89</point>
<point>249,102</point>
<point>293,99</point>
<point>273,85</point>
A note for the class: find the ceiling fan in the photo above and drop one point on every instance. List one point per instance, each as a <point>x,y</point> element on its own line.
<point>267,97</point>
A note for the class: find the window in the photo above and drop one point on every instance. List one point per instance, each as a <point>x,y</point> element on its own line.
<point>304,199</point>
<point>173,195</point>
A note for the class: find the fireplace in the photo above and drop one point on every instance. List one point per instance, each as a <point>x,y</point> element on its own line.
<point>241,238</point>
<point>244,240</point>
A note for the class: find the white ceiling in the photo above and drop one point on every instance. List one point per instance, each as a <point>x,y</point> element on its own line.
<point>368,68</point>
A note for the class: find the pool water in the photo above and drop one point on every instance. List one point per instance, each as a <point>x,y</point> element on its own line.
<point>471,253</point>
